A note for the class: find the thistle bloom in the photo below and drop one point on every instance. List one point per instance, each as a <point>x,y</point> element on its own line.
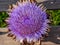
<point>27,20</point>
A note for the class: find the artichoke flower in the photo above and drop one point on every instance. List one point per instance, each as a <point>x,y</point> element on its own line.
<point>27,21</point>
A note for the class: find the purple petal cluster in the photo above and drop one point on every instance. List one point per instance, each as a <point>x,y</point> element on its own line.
<point>28,21</point>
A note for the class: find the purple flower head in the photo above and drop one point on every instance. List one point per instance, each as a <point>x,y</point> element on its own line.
<point>27,20</point>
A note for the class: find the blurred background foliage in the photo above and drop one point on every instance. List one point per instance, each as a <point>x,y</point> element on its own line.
<point>54,17</point>
<point>3,16</point>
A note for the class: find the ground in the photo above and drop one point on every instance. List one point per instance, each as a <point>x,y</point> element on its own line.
<point>52,39</point>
